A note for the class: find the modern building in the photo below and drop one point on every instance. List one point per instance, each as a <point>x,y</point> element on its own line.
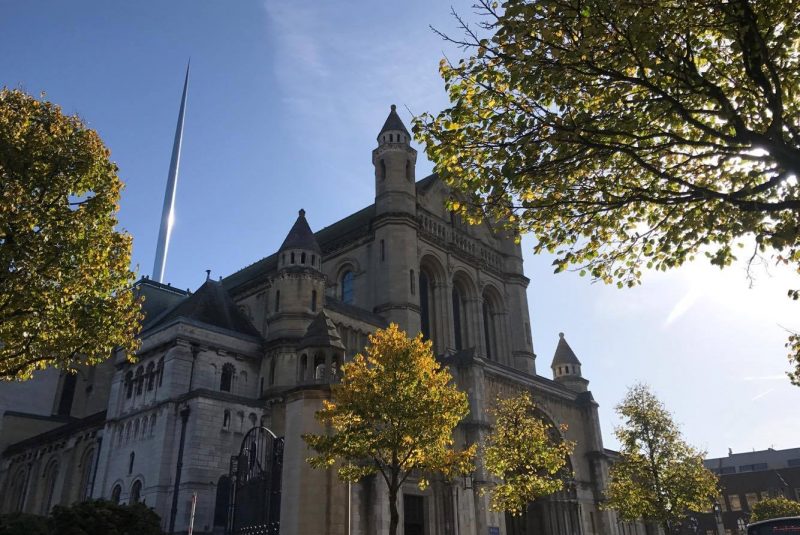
<point>745,479</point>
<point>262,347</point>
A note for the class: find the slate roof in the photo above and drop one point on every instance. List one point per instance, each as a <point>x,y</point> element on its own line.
<point>330,238</point>
<point>212,305</point>
<point>93,420</point>
<point>300,236</point>
<point>393,122</point>
<point>322,332</point>
<point>564,353</point>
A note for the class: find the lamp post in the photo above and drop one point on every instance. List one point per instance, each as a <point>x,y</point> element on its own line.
<point>718,518</point>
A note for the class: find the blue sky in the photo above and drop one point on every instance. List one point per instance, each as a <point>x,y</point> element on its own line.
<point>285,101</point>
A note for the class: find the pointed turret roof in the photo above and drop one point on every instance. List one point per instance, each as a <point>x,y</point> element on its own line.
<point>322,332</point>
<point>564,353</point>
<point>393,122</point>
<point>211,305</point>
<point>301,237</point>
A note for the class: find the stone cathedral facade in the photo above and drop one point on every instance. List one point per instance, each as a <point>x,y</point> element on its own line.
<point>262,347</point>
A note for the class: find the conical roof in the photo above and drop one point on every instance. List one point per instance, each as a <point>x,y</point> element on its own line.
<point>393,122</point>
<point>301,237</point>
<point>322,332</point>
<point>210,305</point>
<point>564,353</point>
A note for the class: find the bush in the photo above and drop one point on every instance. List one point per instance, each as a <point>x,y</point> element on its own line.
<point>774,508</point>
<point>23,524</point>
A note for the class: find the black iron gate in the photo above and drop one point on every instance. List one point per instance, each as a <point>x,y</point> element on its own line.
<point>255,507</point>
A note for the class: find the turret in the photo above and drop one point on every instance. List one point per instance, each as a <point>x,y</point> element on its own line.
<point>321,352</point>
<point>394,251</point>
<point>298,288</point>
<point>567,368</point>
<point>394,160</point>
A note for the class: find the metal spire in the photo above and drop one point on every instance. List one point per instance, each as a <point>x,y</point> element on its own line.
<point>167,213</point>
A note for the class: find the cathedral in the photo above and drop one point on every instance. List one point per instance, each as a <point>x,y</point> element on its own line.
<point>242,364</point>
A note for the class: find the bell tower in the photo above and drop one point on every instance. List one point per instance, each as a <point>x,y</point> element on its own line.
<point>394,160</point>
<point>393,256</point>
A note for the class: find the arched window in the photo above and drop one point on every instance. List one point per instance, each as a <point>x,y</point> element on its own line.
<point>87,474</point>
<point>277,300</point>
<point>302,258</point>
<point>334,367</point>
<point>130,462</point>
<point>319,367</point>
<point>240,421</point>
<point>489,331</point>
<point>160,370</point>
<point>226,381</point>
<point>16,496</point>
<point>272,371</point>
<point>136,430</point>
<point>382,170</point>
<point>425,304</point>
<point>151,376</point>
<point>152,425</point>
<point>128,432</point>
<point>313,259</point>
<point>136,491</point>
<point>115,493</point>
<point>252,418</point>
<point>226,420</point>
<point>412,282</point>
<point>291,257</point>
<point>129,385</point>
<point>313,300</point>
<point>139,380</point>
<point>458,306</point>
<point>50,479</point>
<point>409,174</point>
<point>347,287</point>
<point>303,368</point>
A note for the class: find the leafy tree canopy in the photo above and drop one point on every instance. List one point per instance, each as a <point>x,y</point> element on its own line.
<point>630,134</point>
<point>393,413</point>
<point>774,508</point>
<point>658,477</point>
<point>525,453</point>
<point>65,295</point>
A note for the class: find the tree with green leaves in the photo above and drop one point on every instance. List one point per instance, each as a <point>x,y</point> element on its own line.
<point>628,135</point>
<point>65,296</point>
<point>526,455</point>
<point>658,477</point>
<point>393,413</point>
<point>774,508</point>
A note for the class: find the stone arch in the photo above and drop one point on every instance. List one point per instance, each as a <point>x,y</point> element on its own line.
<point>116,491</point>
<point>151,376</point>
<point>464,300</point>
<point>558,513</point>
<point>50,476</point>
<point>302,368</point>
<point>493,323</point>
<point>87,469</point>
<point>431,287</point>
<point>15,499</point>
<point>226,377</point>
<point>136,491</point>
<point>319,367</point>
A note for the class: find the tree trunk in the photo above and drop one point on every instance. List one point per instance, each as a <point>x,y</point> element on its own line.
<point>394,516</point>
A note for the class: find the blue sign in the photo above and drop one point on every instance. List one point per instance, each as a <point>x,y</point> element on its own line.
<point>494,531</point>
